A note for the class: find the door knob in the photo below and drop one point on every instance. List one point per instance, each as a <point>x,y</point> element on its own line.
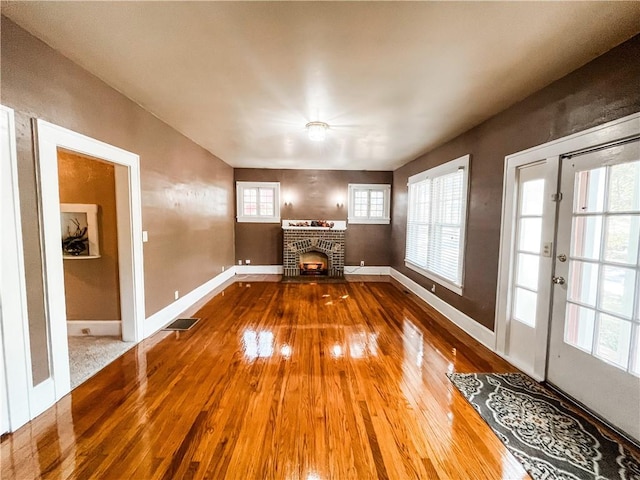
<point>562,257</point>
<point>558,280</point>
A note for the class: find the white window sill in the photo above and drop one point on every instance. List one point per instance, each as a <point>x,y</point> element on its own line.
<point>258,219</point>
<point>372,221</point>
<point>457,289</point>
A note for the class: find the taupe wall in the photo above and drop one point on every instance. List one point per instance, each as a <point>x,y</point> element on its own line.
<point>92,287</point>
<point>187,193</point>
<point>314,194</point>
<point>605,89</point>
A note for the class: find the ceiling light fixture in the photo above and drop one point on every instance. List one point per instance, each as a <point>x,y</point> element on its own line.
<point>317,131</point>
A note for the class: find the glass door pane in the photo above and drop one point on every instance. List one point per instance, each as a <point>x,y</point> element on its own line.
<point>528,245</point>
<point>603,264</point>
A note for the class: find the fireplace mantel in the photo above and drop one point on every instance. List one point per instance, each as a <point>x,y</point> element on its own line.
<point>337,225</point>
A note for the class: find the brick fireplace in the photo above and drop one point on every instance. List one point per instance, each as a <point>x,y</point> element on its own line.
<point>302,240</point>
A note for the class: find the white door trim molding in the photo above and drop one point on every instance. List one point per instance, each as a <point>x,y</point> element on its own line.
<point>129,223</point>
<point>41,395</point>
<point>13,296</point>
<point>601,134</point>
<point>479,332</point>
<point>607,132</point>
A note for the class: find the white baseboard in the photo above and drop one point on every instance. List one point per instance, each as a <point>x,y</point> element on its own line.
<point>169,313</point>
<point>98,328</point>
<point>466,323</point>
<point>357,270</point>
<point>278,270</point>
<point>259,269</point>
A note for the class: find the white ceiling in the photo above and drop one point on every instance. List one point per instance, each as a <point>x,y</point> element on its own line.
<point>393,79</point>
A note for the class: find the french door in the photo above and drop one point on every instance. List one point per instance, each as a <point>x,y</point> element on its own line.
<point>594,339</point>
<point>533,211</point>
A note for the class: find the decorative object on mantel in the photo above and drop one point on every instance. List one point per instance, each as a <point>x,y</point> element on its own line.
<point>79,228</point>
<point>312,223</point>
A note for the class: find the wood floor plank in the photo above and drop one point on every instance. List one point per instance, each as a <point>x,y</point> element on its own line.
<point>278,381</point>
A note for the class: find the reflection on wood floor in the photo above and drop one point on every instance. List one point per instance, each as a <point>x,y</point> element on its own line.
<point>278,381</point>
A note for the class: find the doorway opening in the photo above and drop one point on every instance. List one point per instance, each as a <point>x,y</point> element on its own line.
<point>88,220</point>
<point>51,140</point>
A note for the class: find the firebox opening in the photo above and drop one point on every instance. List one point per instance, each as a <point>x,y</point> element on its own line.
<point>314,263</point>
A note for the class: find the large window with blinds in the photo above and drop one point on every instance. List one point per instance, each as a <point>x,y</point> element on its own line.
<point>436,223</point>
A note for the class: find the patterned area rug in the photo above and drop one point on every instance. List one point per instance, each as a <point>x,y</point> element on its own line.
<point>550,441</point>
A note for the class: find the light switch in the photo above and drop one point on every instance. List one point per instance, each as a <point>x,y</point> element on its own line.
<point>145,236</point>
<point>546,249</point>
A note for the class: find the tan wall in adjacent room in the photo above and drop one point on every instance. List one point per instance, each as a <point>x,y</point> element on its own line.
<point>92,287</point>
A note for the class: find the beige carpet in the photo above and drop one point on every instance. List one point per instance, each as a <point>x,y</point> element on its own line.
<point>88,355</point>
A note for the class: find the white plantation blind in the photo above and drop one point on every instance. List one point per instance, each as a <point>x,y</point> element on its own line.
<point>436,222</point>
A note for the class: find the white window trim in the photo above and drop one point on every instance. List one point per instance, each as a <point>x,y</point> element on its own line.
<point>386,191</point>
<point>445,168</point>
<point>241,186</point>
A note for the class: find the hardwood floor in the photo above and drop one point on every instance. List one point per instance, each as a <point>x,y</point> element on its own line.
<point>278,381</point>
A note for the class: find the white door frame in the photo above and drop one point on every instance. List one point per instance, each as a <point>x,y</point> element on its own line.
<point>13,293</point>
<point>605,133</point>
<point>129,223</point>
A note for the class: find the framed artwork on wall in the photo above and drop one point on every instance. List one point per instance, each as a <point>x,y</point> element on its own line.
<point>79,227</point>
